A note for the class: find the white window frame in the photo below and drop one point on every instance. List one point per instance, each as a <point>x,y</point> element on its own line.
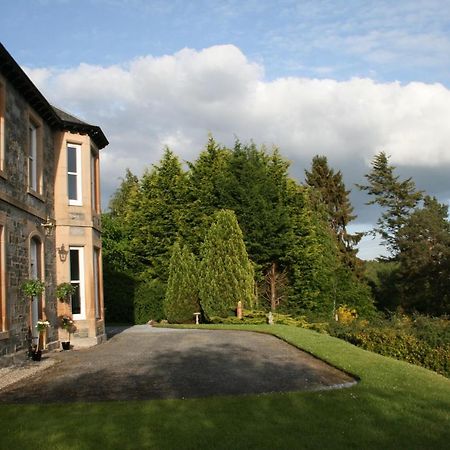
<point>32,157</point>
<point>79,200</point>
<point>81,282</point>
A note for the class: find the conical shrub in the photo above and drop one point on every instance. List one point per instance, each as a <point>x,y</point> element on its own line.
<point>181,301</point>
<point>226,273</point>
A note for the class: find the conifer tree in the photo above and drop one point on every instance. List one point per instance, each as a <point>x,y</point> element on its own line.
<point>157,215</point>
<point>204,187</point>
<point>181,300</point>
<point>424,258</point>
<point>331,188</point>
<point>397,199</point>
<point>226,274</point>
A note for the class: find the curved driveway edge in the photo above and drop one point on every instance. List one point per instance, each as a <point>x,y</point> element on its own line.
<point>143,362</point>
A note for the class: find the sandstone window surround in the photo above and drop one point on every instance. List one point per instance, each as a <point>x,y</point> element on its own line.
<point>35,157</point>
<point>74,174</point>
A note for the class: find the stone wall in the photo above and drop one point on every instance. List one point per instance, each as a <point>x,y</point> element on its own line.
<point>23,213</point>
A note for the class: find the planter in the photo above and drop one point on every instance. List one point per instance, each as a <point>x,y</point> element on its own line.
<point>65,345</point>
<point>36,355</point>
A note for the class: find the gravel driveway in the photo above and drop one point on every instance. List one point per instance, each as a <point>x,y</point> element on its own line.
<point>142,362</point>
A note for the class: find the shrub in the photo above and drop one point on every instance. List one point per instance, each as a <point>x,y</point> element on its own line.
<point>226,273</point>
<point>396,339</point>
<point>181,300</point>
<point>148,301</point>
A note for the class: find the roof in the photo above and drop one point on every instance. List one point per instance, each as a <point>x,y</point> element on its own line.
<point>55,117</point>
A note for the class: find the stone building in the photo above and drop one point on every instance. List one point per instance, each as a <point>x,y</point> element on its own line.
<point>49,214</point>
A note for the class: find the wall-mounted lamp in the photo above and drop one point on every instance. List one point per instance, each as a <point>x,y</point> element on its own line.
<point>62,253</point>
<point>48,226</point>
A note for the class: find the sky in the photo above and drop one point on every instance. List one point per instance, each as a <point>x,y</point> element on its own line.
<point>345,79</point>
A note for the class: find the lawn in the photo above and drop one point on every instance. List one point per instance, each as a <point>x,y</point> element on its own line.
<point>394,406</point>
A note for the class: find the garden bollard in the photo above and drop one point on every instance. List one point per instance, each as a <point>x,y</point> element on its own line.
<point>196,318</point>
<point>239,310</point>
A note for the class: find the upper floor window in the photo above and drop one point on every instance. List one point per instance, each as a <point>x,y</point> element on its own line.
<point>34,155</point>
<point>2,125</point>
<point>74,174</point>
<point>95,193</point>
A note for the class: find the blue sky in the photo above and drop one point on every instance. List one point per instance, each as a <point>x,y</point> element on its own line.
<point>385,40</point>
<point>341,78</point>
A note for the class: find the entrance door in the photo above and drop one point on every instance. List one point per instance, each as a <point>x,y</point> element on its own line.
<point>35,267</point>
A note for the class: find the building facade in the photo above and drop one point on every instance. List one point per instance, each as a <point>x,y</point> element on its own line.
<point>50,225</point>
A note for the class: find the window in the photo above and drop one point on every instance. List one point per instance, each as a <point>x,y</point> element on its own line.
<point>77,281</point>
<point>2,125</point>
<point>74,174</point>
<point>3,322</point>
<point>35,274</point>
<point>95,194</point>
<point>34,155</point>
<point>98,314</point>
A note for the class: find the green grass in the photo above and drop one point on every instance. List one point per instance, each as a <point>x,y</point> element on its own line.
<point>394,406</point>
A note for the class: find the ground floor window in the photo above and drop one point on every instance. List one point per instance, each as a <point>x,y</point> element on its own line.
<point>35,274</point>
<point>3,323</point>
<point>77,281</point>
<point>97,283</point>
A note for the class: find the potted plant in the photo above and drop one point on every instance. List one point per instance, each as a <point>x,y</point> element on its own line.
<point>64,291</point>
<point>41,327</point>
<point>32,288</point>
<point>66,324</point>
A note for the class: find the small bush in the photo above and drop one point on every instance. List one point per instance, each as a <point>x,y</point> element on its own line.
<point>148,301</point>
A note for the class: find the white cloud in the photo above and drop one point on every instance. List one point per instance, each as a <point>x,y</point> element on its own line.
<point>177,99</point>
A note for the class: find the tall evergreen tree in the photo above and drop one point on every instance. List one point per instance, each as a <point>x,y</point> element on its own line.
<point>312,256</point>
<point>157,215</point>
<point>226,274</point>
<point>396,198</point>
<point>181,300</point>
<point>331,187</point>
<point>204,188</point>
<point>424,273</point>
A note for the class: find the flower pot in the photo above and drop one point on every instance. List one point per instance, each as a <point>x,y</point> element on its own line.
<point>36,355</point>
<point>65,345</point>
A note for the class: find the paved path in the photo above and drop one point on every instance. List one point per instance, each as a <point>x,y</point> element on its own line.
<point>143,362</point>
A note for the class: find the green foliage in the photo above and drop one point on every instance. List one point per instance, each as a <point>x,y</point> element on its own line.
<point>339,211</point>
<point>32,288</point>
<point>181,300</point>
<point>424,272</point>
<point>226,273</point>
<point>382,277</point>
<point>397,199</point>
<point>64,290</point>
<point>118,291</point>
<point>423,341</point>
<point>149,301</point>
<point>157,215</point>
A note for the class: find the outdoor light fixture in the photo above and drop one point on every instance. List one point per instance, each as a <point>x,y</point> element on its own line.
<point>62,252</point>
<point>48,226</point>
